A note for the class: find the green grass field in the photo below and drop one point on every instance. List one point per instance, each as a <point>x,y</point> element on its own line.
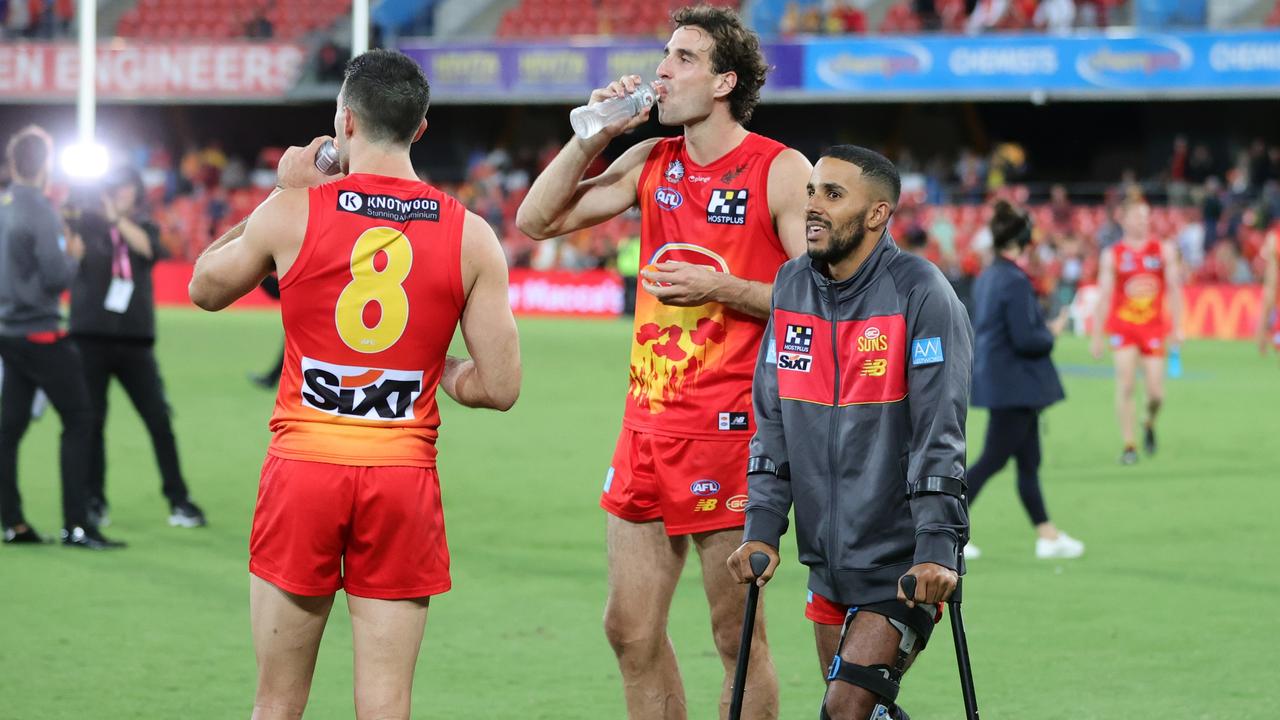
<point>1169,614</point>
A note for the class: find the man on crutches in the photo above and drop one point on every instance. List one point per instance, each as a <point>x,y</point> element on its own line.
<point>860,396</point>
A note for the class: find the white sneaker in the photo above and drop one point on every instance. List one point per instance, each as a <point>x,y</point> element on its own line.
<point>971,552</point>
<point>1063,547</point>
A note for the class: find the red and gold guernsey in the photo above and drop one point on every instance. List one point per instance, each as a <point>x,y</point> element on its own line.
<point>369,308</point>
<point>1137,302</point>
<point>691,368</point>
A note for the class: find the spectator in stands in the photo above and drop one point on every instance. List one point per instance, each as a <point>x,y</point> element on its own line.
<point>331,61</point>
<point>843,18</point>
<point>927,12</point>
<point>1176,172</point>
<point>1259,167</point>
<point>19,20</point>
<point>259,27</point>
<point>987,15</point>
<point>1190,240</point>
<point>1200,166</point>
<point>970,172</point>
<point>113,323</point>
<point>1211,211</point>
<point>1227,266</point>
<point>1057,17</point>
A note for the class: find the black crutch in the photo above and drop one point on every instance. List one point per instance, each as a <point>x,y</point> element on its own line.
<point>958,637</point>
<point>759,563</point>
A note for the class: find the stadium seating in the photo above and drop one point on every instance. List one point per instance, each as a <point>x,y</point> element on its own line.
<point>534,19</point>
<point>227,19</point>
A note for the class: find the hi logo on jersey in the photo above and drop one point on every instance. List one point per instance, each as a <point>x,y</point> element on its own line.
<point>727,207</point>
<point>798,338</point>
<point>872,340</point>
<point>358,392</point>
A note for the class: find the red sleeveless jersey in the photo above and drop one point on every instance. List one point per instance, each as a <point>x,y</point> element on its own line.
<point>369,308</point>
<point>691,368</point>
<point>1138,298</point>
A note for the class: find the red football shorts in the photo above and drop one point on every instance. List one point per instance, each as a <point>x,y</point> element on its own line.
<point>691,485</point>
<point>378,532</point>
<point>1149,340</point>
<point>826,612</point>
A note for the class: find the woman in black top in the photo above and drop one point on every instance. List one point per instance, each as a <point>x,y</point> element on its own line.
<point>1014,377</point>
<point>113,323</point>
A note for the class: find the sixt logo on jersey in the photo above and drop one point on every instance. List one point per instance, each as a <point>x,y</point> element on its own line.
<point>703,488</point>
<point>727,207</point>
<point>668,199</point>
<point>389,207</point>
<point>358,392</point>
<point>792,361</point>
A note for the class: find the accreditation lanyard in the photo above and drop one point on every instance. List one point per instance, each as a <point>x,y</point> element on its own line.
<point>120,292</point>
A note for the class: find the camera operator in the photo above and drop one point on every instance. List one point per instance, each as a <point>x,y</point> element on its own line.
<point>37,261</point>
<point>113,321</point>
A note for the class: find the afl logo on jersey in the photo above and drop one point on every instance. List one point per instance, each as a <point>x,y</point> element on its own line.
<point>668,198</point>
<point>675,172</point>
<point>351,201</point>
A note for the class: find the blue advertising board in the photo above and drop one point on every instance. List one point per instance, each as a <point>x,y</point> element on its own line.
<point>1099,66</point>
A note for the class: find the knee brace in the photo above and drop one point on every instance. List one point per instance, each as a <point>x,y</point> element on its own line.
<point>883,681</point>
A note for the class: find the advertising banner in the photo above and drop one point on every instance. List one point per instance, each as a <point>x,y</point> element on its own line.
<point>143,71</point>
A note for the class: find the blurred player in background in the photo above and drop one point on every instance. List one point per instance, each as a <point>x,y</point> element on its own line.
<point>1268,322</point>
<point>376,272</point>
<point>722,208</point>
<point>1137,277</point>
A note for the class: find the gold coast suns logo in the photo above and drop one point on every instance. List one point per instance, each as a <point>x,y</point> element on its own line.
<point>673,345</point>
<point>872,340</point>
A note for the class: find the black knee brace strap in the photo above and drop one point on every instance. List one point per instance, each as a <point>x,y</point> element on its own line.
<point>881,680</point>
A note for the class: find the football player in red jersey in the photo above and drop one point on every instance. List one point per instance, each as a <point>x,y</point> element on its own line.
<point>377,270</point>
<point>721,210</point>
<point>1137,277</point>
<point>1268,322</point>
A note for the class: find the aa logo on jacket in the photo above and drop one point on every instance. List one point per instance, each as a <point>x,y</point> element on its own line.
<point>926,351</point>
<point>727,207</point>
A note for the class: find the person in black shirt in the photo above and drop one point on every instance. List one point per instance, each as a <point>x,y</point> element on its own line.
<point>37,260</point>
<point>113,323</point>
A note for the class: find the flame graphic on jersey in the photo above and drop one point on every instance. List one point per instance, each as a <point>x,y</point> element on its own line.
<point>671,351</point>
<point>1139,305</point>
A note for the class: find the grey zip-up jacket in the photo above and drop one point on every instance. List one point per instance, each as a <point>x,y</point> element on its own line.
<point>34,269</point>
<point>860,397</point>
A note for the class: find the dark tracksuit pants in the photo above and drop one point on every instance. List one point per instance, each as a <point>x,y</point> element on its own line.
<point>1012,433</point>
<point>55,368</point>
<point>133,363</point>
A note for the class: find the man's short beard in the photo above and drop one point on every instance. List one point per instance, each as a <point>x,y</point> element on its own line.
<point>844,242</point>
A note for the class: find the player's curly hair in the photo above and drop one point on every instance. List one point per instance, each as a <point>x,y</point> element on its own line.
<point>737,50</point>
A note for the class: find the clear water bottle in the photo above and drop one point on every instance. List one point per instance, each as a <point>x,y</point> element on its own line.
<point>588,120</point>
<point>1175,362</point>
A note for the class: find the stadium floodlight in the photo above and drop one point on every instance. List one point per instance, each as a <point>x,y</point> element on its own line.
<point>85,160</point>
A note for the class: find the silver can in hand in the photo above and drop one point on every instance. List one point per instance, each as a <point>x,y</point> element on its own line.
<point>327,159</point>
